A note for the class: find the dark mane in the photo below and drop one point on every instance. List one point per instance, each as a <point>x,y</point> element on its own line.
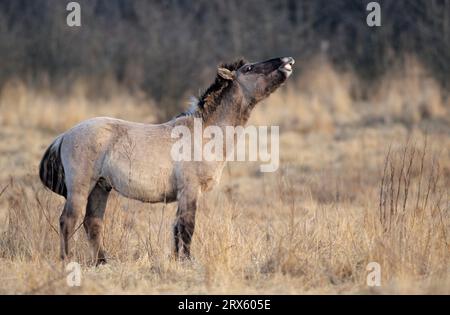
<point>210,98</point>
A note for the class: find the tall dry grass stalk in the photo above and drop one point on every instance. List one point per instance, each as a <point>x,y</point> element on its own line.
<point>414,212</point>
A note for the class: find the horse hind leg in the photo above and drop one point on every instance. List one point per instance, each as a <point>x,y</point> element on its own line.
<point>72,209</point>
<point>93,221</point>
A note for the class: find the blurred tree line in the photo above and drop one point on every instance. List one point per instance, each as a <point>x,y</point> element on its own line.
<point>168,48</point>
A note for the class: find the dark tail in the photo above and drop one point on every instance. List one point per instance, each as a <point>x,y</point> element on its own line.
<point>51,170</point>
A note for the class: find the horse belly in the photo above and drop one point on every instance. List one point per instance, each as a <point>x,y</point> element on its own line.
<point>141,182</point>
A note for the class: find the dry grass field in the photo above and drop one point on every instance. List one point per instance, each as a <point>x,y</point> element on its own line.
<point>359,182</point>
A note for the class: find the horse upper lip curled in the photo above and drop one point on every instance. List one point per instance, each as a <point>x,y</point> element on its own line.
<point>101,154</point>
<point>286,67</point>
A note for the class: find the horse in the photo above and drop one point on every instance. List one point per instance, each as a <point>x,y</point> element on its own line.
<point>102,154</point>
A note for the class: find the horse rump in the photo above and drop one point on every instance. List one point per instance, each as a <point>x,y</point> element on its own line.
<point>51,170</point>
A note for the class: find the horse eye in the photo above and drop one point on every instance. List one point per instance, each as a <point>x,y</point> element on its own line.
<point>248,69</point>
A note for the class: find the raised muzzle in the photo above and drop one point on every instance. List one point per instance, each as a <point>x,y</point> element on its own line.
<point>286,65</point>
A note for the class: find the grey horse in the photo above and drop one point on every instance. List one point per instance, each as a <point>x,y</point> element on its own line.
<point>85,163</point>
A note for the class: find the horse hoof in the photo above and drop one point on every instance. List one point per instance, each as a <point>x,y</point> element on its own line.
<point>101,261</point>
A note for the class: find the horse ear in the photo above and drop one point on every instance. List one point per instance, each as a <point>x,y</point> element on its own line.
<point>226,74</point>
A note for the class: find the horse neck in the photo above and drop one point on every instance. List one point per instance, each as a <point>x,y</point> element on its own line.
<point>232,111</point>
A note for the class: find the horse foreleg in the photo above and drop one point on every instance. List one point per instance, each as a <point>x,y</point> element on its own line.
<point>185,224</point>
<point>93,221</point>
